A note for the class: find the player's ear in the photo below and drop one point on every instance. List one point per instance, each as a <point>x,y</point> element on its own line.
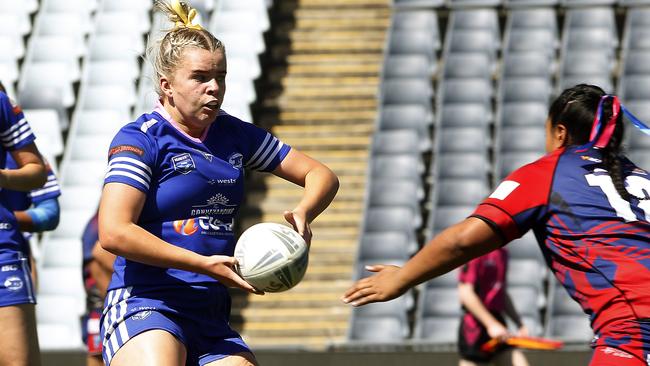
<point>561,134</point>
<point>165,87</point>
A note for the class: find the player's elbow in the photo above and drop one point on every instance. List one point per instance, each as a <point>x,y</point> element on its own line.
<point>111,239</point>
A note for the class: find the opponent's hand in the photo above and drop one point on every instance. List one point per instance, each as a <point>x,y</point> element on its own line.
<point>383,286</point>
<point>498,331</point>
<point>222,268</point>
<point>298,219</point>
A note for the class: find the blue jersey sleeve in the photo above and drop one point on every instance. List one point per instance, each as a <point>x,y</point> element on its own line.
<point>265,151</point>
<point>131,158</point>
<point>50,190</point>
<point>15,132</point>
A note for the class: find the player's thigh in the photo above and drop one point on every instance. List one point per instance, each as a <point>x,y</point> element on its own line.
<point>240,359</point>
<point>18,336</point>
<point>151,348</point>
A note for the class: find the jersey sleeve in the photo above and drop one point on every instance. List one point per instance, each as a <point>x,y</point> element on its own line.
<point>50,190</point>
<point>520,200</point>
<point>264,152</point>
<point>131,159</point>
<point>469,271</point>
<point>15,132</point>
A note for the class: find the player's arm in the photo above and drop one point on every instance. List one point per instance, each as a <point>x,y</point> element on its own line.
<point>101,267</point>
<point>512,313</point>
<point>119,209</point>
<point>470,300</point>
<point>320,184</point>
<point>31,172</point>
<point>456,245</point>
<point>44,216</point>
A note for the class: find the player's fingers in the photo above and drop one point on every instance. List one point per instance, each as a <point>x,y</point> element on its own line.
<point>375,267</point>
<point>358,293</point>
<point>288,215</point>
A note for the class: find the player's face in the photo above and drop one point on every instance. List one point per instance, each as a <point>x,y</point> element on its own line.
<point>198,86</point>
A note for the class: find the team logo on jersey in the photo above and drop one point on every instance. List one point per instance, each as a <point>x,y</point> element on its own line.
<point>185,227</point>
<point>236,160</point>
<point>589,158</point>
<point>126,148</point>
<point>13,283</point>
<point>215,205</point>
<point>9,268</point>
<point>183,163</point>
<point>142,315</point>
<point>206,155</point>
<point>5,226</point>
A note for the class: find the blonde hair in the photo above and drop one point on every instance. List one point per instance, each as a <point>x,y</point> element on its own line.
<point>165,55</point>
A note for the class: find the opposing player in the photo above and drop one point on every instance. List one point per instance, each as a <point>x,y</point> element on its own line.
<point>97,271</point>
<point>17,319</point>
<point>173,186</point>
<point>588,206</point>
<point>485,301</point>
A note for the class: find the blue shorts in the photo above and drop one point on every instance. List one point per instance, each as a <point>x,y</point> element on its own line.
<point>196,315</point>
<point>16,282</point>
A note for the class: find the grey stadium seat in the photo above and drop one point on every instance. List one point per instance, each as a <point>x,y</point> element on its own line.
<point>637,87</point>
<point>406,91</point>
<point>440,301</point>
<point>403,141</point>
<point>532,40</point>
<point>467,65</point>
<point>599,39</point>
<point>418,3</point>
<point>398,306</point>
<point>407,66</point>
<point>638,39</point>
<point>515,139</point>
<point>587,63</point>
<point>454,192</point>
<point>603,81</point>
<point>413,42</point>
<point>379,329</point>
<point>523,114</point>
<point>477,19</point>
<point>385,244</point>
<point>399,116</point>
<point>641,158</point>
<point>637,62</point>
<point>462,140</point>
<point>461,165</point>
<point>525,247</point>
<point>567,320</point>
<point>591,17</point>
<point>465,115</point>
<point>544,18</point>
<point>420,19</point>
<point>475,90</point>
<point>444,217</point>
<point>439,329</point>
<point>526,90</point>
<point>390,219</point>
<point>394,193</point>
<point>526,272</point>
<point>473,41</point>
<point>527,64</point>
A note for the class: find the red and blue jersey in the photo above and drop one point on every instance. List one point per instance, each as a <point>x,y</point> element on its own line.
<point>193,186</point>
<point>596,243</point>
<point>15,133</point>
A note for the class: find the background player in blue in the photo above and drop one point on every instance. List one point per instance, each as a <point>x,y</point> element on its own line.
<point>36,211</point>
<point>589,207</point>
<point>173,186</point>
<point>17,319</point>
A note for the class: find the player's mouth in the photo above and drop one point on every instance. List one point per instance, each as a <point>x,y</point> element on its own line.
<point>213,105</point>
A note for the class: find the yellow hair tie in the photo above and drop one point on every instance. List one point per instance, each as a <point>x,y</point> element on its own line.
<point>187,19</point>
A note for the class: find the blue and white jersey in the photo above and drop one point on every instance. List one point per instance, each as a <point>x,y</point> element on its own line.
<point>193,186</point>
<point>21,201</point>
<point>15,133</point>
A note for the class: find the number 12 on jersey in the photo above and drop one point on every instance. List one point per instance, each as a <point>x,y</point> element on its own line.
<point>636,185</point>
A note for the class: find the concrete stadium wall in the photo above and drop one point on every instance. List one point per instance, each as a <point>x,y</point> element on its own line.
<point>300,358</point>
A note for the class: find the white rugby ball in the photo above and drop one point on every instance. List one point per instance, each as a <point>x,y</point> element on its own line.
<point>272,257</point>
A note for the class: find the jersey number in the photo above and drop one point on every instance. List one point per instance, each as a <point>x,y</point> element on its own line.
<point>637,186</point>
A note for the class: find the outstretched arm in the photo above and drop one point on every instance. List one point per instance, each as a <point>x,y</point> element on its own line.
<point>31,172</point>
<point>456,245</point>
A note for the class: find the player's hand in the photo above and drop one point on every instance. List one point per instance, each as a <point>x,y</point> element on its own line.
<point>523,331</point>
<point>383,286</point>
<point>498,331</point>
<point>222,268</point>
<point>298,219</point>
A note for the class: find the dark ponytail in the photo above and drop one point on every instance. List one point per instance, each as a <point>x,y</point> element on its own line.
<point>576,109</point>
